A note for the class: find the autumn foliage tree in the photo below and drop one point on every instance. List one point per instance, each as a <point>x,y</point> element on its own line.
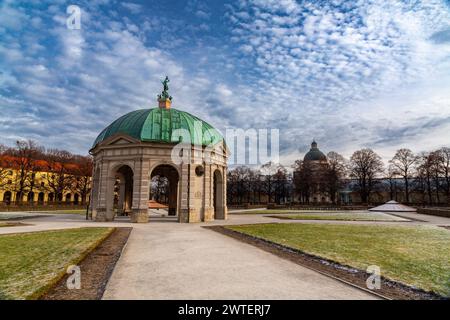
<point>81,176</point>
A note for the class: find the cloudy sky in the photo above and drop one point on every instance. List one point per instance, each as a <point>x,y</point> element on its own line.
<point>350,74</point>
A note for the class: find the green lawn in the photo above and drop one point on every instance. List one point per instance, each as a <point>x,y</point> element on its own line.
<point>346,216</point>
<point>414,255</point>
<point>30,263</point>
<point>35,214</point>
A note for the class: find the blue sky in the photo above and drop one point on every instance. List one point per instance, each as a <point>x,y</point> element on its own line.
<point>350,74</point>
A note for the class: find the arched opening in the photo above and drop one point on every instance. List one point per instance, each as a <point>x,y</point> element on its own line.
<point>41,197</point>
<point>30,197</point>
<point>123,191</point>
<point>51,197</point>
<point>7,197</point>
<point>68,198</point>
<point>59,197</point>
<point>164,189</point>
<point>219,210</point>
<point>76,198</point>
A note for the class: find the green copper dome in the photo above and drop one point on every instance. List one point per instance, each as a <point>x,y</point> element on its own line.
<point>159,124</point>
<point>314,154</point>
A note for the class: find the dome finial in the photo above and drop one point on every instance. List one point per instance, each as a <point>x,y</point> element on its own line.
<point>314,144</point>
<point>164,99</point>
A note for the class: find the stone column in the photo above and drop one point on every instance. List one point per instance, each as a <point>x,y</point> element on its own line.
<point>140,191</point>
<point>94,193</point>
<point>224,188</point>
<point>195,195</point>
<point>102,196</point>
<point>183,214</point>
<point>121,203</point>
<point>208,193</point>
<point>173,190</point>
<point>110,182</point>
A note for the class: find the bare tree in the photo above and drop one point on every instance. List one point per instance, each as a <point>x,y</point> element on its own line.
<point>403,162</point>
<point>281,178</point>
<point>303,180</point>
<point>365,166</point>
<point>268,171</point>
<point>81,179</point>
<point>5,166</point>
<point>59,176</point>
<point>160,189</point>
<point>238,185</point>
<point>255,185</point>
<point>425,174</point>
<point>444,164</point>
<point>24,157</point>
<point>435,162</point>
<point>334,174</point>
<point>392,175</point>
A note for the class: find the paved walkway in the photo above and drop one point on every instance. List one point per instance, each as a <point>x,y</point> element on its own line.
<point>179,261</point>
<point>167,260</point>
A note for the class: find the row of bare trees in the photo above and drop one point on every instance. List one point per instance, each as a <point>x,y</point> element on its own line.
<point>429,172</point>
<point>60,171</point>
<point>427,175</point>
<point>271,181</point>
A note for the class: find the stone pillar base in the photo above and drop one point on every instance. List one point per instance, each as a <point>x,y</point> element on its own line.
<point>102,216</point>
<point>220,213</point>
<point>209,214</point>
<point>94,214</point>
<point>225,213</point>
<point>139,216</point>
<point>189,216</point>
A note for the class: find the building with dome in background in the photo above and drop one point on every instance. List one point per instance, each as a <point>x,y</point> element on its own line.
<point>310,177</point>
<point>160,142</point>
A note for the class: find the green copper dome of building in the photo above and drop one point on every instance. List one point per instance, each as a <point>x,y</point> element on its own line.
<point>162,125</point>
<point>314,154</point>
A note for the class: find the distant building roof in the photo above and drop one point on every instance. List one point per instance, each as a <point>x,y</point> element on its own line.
<point>314,154</point>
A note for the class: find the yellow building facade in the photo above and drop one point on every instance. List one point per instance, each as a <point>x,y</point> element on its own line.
<point>37,190</point>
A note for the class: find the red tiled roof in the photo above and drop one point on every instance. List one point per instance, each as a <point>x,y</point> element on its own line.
<point>42,165</point>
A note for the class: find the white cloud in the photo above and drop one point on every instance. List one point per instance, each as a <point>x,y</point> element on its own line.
<point>133,7</point>
<point>327,68</point>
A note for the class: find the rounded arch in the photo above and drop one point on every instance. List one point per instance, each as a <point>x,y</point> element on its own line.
<point>115,167</point>
<point>167,177</point>
<point>163,163</point>
<point>76,198</point>
<point>41,197</point>
<point>30,197</point>
<point>7,197</point>
<point>122,193</point>
<point>68,198</point>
